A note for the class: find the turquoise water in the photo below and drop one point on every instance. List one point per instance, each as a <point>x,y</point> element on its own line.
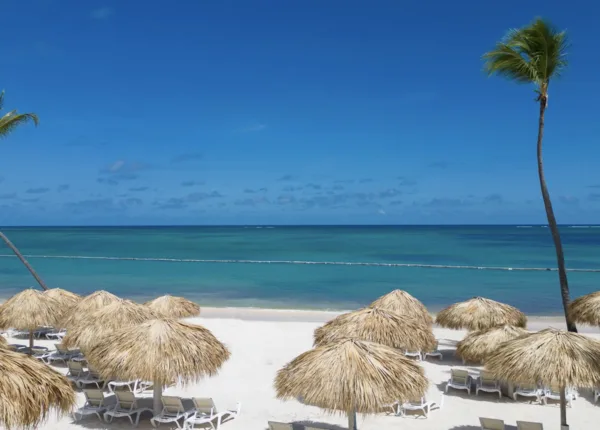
<point>307,286</point>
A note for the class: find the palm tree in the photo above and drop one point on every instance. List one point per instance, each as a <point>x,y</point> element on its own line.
<point>534,55</point>
<point>9,123</point>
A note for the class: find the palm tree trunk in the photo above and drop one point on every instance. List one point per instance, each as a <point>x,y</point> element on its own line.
<point>552,225</point>
<point>23,260</point>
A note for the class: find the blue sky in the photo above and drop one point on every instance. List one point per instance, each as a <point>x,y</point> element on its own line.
<point>289,112</point>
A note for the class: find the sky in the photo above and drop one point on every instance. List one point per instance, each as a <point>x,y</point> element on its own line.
<point>290,112</point>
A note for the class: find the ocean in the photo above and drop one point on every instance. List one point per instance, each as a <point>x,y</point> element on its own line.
<point>289,283</point>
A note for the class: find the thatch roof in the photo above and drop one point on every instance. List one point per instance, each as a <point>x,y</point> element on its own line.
<point>351,375</point>
<point>480,344</point>
<point>379,326</point>
<point>550,357</point>
<point>105,321</point>
<point>586,309</point>
<point>480,313</point>
<point>174,307</point>
<point>3,342</point>
<point>86,306</point>
<point>30,391</point>
<point>159,350</point>
<point>66,299</point>
<point>402,303</point>
<point>29,310</point>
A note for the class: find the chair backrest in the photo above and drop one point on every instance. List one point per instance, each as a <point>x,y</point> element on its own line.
<point>274,425</point>
<point>205,405</point>
<point>459,376</point>
<point>487,377</point>
<point>36,350</point>
<point>94,397</point>
<point>491,424</point>
<point>126,400</point>
<point>526,425</point>
<point>527,387</point>
<point>75,367</point>
<point>60,348</point>
<point>172,404</point>
<point>418,402</point>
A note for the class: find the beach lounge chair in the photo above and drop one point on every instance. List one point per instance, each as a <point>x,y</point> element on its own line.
<point>61,354</point>
<point>526,425</point>
<point>274,425</point>
<point>435,353</point>
<point>135,386</point>
<point>554,394</point>
<point>205,411</point>
<point>195,420</point>
<point>525,390</point>
<point>76,372</point>
<point>56,334</point>
<point>486,382</point>
<point>128,406</point>
<point>95,403</point>
<point>414,354</point>
<point>459,380</point>
<point>491,424</point>
<point>173,411</point>
<point>421,404</point>
<point>92,377</point>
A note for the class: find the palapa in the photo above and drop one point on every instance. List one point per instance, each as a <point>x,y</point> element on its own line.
<point>168,306</point>
<point>586,309</point>
<point>402,303</point>
<point>480,313</point>
<point>380,326</point>
<point>30,391</point>
<point>351,376</point>
<point>552,358</point>
<point>66,299</point>
<point>29,310</point>
<point>480,344</point>
<point>106,320</point>
<point>86,306</point>
<point>161,350</point>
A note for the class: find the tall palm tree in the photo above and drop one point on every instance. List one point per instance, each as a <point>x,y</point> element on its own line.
<point>8,123</point>
<point>535,54</point>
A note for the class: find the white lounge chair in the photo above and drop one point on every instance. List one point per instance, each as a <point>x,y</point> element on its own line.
<point>92,377</point>
<point>525,390</point>
<point>61,354</point>
<point>459,380</point>
<point>76,372</point>
<point>486,382</point>
<point>491,424</point>
<point>128,406</point>
<point>274,425</point>
<point>554,394</point>
<point>414,354</point>
<point>173,411</point>
<point>421,404</point>
<point>526,425</point>
<point>435,353</point>
<point>195,420</point>
<point>56,334</point>
<point>205,412</point>
<point>135,386</point>
<point>95,404</point>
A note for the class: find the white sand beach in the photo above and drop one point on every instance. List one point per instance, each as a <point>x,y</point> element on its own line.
<point>262,341</point>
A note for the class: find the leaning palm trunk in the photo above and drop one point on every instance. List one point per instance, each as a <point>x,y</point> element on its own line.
<point>552,225</point>
<point>23,260</point>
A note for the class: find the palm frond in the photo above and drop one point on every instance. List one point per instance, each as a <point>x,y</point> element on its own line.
<point>12,120</point>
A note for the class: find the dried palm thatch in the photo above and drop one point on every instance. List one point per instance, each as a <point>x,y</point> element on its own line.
<point>480,344</point>
<point>480,313</point>
<point>402,303</point>
<point>3,342</point>
<point>351,376</point>
<point>29,310</point>
<point>162,351</point>
<point>379,326</point>
<point>66,299</point>
<point>30,391</point>
<point>106,320</point>
<point>586,309</point>
<point>174,307</point>
<point>86,306</point>
<point>551,357</point>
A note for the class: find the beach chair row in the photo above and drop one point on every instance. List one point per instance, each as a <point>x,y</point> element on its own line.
<point>184,413</point>
<point>495,424</point>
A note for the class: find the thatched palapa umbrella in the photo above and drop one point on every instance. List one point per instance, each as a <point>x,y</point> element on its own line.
<point>379,326</point>
<point>86,306</point>
<point>66,299</point>
<point>351,376</point>
<point>106,320</point>
<point>402,303</point>
<point>480,344</point>
<point>586,309</point>
<point>29,310</point>
<point>480,313</point>
<point>168,306</point>
<point>30,390</point>
<point>161,351</point>
<point>551,357</point>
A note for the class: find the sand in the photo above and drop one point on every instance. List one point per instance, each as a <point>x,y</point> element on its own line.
<point>262,341</point>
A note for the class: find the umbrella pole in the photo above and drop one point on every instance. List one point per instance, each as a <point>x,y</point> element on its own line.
<point>30,342</point>
<point>157,397</point>
<point>352,420</point>
<point>563,409</point>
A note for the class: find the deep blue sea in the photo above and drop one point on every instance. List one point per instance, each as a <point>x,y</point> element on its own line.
<point>303,285</point>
